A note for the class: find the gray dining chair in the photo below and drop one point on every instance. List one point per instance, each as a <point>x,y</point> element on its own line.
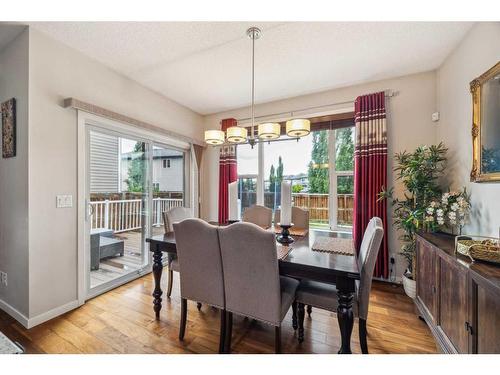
<point>300,217</point>
<point>252,282</point>
<point>259,215</point>
<point>324,296</point>
<point>174,215</point>
<point>199,256</point>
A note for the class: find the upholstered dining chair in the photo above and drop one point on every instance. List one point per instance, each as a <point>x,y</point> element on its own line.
<point>174,215</point>
<point>324,296</point>
<point>300,217</point>
<point>252,284</point>
<point>201,278</point>
<point>259,215</point>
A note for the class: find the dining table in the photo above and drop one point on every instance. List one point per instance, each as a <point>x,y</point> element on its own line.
<point>301,262</point>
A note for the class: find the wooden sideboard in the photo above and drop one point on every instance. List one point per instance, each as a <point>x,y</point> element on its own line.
<point>459,299</point>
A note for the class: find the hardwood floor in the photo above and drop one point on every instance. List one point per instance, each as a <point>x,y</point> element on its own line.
<point>122,321</point>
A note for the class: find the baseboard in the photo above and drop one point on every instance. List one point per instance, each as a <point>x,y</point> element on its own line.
<point>20,317</point>
<point>51,314</point>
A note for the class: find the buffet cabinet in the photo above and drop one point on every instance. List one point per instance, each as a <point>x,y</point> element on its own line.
<point>459,299</point>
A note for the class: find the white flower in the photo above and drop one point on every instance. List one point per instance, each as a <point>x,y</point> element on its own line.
<point>430,210</point>
<point>439,212</point>
<point>452,215</point>
<point>429,218</point>
<point>440,220</point>
<point>454,206</point>
<point>460,199</point>
<point>453,222</point>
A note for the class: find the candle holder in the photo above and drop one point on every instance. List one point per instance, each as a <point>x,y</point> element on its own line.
<point>284,237</point>
<point>229,222</point>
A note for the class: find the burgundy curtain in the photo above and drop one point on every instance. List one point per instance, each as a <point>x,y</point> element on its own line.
<point>227,172</point>
<point>370,171</point>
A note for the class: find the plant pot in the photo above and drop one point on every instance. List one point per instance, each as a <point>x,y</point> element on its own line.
<point>409,285</point>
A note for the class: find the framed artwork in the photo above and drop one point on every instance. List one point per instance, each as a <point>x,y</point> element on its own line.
<point>9,128</point>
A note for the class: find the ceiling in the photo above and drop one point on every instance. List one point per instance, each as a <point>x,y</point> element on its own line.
<point>206,66</point>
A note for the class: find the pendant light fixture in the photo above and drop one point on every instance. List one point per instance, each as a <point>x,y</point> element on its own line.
<point>266,132</point>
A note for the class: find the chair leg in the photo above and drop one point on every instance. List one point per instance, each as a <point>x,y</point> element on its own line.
<point>198,305</point>
<point>309,310</point>
<point>182,328</point>
<point>294,315</point>
<point>362,336</point>
<point>277,339</point>
<point>229,332</point>
<point>170,281</point>
<point>301,313</point>
<point>222,337</point>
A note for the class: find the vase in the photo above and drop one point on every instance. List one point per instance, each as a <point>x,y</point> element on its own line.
<point>409,285</point>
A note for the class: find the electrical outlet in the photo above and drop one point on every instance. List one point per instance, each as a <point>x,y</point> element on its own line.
<point>3,278</point>
<point>64,201</point>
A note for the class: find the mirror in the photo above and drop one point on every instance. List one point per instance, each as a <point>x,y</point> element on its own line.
<point>485,92</point>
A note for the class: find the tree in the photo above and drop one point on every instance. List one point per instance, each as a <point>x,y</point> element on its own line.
<point>135,180</point>
<point>279,171</point>
<point>344,160</point>
<point>318,166</point>
<point>297,188</point>
<point>272,179</point>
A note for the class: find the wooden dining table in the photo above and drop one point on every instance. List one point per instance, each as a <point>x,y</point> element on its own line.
<point>301,262</point>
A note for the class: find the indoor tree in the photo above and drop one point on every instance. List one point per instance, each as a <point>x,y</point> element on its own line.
<point>419,172</point>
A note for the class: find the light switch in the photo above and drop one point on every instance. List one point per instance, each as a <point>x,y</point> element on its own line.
<point>64,201</point>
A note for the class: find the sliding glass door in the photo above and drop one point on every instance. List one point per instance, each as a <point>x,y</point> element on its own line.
<point>118,203</point>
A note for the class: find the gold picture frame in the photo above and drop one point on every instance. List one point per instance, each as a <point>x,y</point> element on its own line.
<point>477,173</point>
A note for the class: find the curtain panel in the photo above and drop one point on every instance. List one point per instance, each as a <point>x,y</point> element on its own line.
<point>227,172</point>
<point>370,171</point>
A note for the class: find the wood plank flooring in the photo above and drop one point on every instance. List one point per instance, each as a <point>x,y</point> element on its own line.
<point>122,321</point>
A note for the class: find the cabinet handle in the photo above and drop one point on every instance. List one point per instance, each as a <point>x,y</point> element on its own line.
<point>468,328</point>
<point>434,289</point>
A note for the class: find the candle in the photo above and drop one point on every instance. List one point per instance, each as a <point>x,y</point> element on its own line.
<point>286,203</point>
<point>233,201</point>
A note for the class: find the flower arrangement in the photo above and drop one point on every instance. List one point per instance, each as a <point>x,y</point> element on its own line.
<point>451,210</point>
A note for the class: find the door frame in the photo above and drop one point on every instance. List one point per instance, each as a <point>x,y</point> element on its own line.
<point>86,122</point>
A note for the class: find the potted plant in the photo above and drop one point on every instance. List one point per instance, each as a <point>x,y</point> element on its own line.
<point>419,172</point>
<point>451,211</point>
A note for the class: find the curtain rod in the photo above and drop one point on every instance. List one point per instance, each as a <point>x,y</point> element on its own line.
<point>96,110</point>
<point>388,94</point>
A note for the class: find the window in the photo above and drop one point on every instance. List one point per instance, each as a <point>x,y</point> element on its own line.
<point>166,163</point>
<point>248,165</point>
<point>319,167</point>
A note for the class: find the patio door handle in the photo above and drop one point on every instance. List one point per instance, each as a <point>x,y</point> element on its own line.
<point>90,210</point>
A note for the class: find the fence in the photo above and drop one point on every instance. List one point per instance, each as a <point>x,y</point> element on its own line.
<point>317,204</point>
<point>126,214</point>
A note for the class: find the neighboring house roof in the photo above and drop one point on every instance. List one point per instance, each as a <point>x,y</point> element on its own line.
<point>159,153</point>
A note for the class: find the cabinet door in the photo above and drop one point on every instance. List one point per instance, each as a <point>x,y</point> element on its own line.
<point>426,277</point>
<point>487,330</point>
<point>453,304</point>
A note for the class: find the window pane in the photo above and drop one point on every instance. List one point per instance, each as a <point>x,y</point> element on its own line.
<point>344,148</point>
<point>345,200</point>
<point>305,165</point>
<point>247,192</point>
<point>247,159</point>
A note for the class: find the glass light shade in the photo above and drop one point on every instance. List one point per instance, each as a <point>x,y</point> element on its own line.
<point>269,130</point>
<point>298,127</point>
<point>236,134</point>
<point>214,137</point>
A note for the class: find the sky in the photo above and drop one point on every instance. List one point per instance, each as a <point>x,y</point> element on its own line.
<point>295,156</point>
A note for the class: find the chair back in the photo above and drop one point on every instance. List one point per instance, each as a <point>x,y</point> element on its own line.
<point>251,274</point>
<point>200,262</point>
<point>175,215</point>
<point>367,258</point>
<point>259,215</point>
<point>300,217</point>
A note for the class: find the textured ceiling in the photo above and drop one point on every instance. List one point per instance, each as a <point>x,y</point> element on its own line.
<point>206,65</point>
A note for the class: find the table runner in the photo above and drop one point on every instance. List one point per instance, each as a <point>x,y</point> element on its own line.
<point>344,246</point>
<point>282,251</point>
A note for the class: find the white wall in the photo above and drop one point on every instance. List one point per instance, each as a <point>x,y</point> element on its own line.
<point>57,72</point>
<point>478,52</point>
<point>14,181</point>
<point>409,125</point>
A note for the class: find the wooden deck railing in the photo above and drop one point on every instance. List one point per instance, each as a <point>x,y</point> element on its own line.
<point>317,204</point>
<point>126,214</point>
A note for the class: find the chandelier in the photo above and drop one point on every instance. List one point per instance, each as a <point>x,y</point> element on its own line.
<point>267,131</point>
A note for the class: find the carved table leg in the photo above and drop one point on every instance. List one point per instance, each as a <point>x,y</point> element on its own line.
<point>345,315</point>
<point>157,269</point>
<point>294,315</point>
